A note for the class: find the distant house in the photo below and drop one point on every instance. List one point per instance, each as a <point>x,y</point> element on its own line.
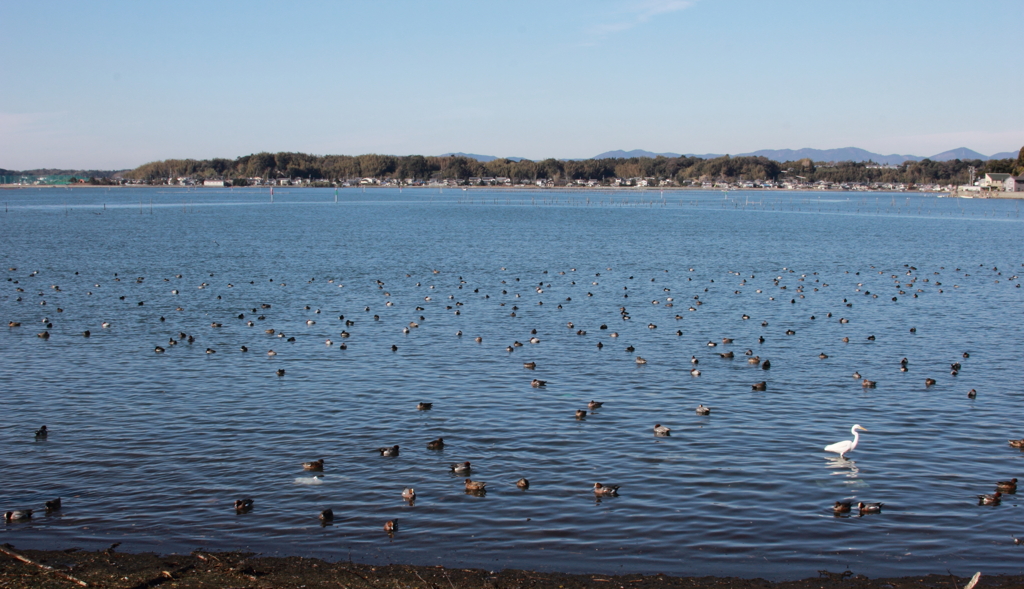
<point>219,183</point>
<point>1012,184</point>
<point>994,181</point>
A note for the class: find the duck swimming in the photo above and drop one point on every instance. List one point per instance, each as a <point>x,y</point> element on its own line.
<point>461,468</point>
<point>54,504</point>
<point>243,505</point>
<point>317,465</point>
<point>640,360</point>
<point>392,451</point>
<point>18,515</point>
<point>437,444</point>
<point>694,372</point>
<point>992,499</point>
<point>702,410</point>
<point>594,405</point>
<point>841,507</point>
<point>868,384</point>
<point>760,386</point>
<point>475,486</point>
<point>409,494</point>
<point>326,515</point>
<point>1009,486</point>
<point>42,432</point>
<point>606,490</point>
<point>869,507</point>
<point>660,430</point>
<point>581,414</point>
<point>523,484</point>
<point>424,406</point>
<point>537,383</point>
<point>530,365</point>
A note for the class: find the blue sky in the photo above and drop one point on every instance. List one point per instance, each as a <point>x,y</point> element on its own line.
<point>116,84</point>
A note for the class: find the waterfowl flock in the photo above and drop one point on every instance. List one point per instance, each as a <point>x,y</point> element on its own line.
<point>468,299</point>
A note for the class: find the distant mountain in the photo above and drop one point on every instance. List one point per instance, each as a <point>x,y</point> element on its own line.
<point>1003,155</point>
<point>960,153</point>
<point>844,154</point>
<point>480,158</point>
<point>620,154</point>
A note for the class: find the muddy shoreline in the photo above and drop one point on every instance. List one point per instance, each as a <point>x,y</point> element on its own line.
<point>109,568</point>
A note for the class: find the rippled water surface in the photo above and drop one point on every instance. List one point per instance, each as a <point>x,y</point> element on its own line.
<point>151,449</point>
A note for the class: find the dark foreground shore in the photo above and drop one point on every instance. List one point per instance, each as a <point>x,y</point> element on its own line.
<point>110,569</point>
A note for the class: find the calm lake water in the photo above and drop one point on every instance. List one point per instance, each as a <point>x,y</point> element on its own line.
<point>151,449</point>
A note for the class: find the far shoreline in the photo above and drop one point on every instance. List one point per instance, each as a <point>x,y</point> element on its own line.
<point>529,187</point>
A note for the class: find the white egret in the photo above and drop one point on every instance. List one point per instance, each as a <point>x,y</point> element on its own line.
<point>845,446</point>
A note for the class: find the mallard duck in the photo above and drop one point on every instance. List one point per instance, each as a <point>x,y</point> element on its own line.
<point>594,405</point>
<point>537,383</point>
<point>841,507</point>
<point>391,451</point>
<point>530,365</point>
<point>243,504</point>
<point>327,515</point>
<point>760,386</point>
<point>42,432</point>
<point>461,468</point>
<point>992,499</point>
<point>315,465</point>
<point>424,406</point>
<point>660,430</point>
<point>1009,486</point>
<point>694,372</point>
<point>869,507</point>
<point>54,504</point>
<point>475,485</point>
<point>523,484</point>
<point>581,414</point>
<point>18,515</point>
<point>640,360</point>
<point>391,526</point>
<point>437,444</point>
<point>409,494</point>
<point>702,410</point>
<point>606,490</point>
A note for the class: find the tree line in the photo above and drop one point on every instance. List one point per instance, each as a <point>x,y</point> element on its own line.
<point>268,166</point>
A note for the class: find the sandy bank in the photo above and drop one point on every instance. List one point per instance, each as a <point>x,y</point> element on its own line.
<point>111,569</point>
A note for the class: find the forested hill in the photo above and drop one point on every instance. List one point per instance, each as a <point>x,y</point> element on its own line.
<point>681,169</point>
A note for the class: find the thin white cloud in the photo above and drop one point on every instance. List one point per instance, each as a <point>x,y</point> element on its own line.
<point>637,13</point>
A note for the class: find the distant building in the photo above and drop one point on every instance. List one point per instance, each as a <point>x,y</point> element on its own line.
<point>994,181</point>
<point>1012,184</point>
<point>219,183</point>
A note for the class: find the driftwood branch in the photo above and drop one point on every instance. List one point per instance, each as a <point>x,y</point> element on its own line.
<point>46,568</point>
